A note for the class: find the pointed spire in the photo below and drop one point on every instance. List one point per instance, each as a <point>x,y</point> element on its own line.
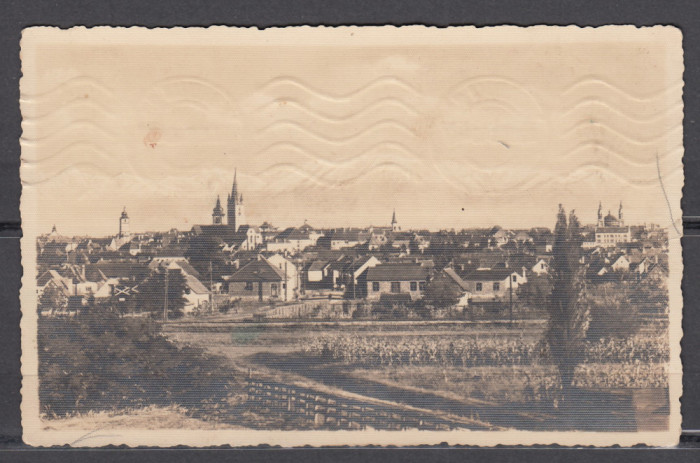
<point>393,217</point>
<point>234,189</point>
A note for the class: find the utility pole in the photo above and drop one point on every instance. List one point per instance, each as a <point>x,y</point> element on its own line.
<point>211,290</point>
<point>165,303</point>
<point>510,279</point>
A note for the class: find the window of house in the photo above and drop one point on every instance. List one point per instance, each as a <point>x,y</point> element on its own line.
<point>273,289</point>
<point>414,286</point>
<point>479,286</point>
<point>496,286</point>
<point>375,286</point>
<point>515,278</point>
<point>421,285</point>
<point>395,286</point>
<point>542,266</point>
<point>248,285</point>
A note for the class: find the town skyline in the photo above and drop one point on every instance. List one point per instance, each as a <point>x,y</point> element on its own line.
<point>586,218</point>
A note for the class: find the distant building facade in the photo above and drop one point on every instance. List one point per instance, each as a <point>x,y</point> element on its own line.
<point>610,230</point>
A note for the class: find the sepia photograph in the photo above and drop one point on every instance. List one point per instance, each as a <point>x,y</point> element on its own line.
<point>351,236</point>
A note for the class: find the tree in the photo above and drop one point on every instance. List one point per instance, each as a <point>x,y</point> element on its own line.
<point>151,296</point>
<point>613,314</point>
<point>536,292</point>
<point>52,298</point>
<point>442,292</point>
<point>568,310</point>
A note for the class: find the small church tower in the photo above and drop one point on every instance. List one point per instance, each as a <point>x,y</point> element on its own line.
<point>234,206</point>
<point>217,216</point>
<point>394,223</point>
<point>124,224</point>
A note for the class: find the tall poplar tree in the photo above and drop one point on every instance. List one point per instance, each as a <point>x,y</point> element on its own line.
<point>567,307</point>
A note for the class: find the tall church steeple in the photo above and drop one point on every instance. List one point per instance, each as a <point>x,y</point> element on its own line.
<point>394,223</point>
<point>234,206</point>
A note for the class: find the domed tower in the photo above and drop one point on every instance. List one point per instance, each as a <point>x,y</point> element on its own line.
<point>124,224</point>
<point>217,216</point>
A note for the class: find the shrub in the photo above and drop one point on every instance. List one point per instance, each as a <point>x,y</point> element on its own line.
<point>99,361</point>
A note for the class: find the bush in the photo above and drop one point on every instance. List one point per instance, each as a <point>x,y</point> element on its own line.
<point>101,361</point>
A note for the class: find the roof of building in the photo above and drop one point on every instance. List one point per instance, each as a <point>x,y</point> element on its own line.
<point>397,272</point>
<point>225,233</point>
<point>195,285</point>
<point>318,265</point>
<point>113,269</point>
<point>359,262</point>
<point>612,229</point>
<point>489,275</point>
<point>258,270</point>
<point>456,278</point>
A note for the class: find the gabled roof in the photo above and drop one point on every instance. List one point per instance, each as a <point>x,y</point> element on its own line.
<point>456,278</point>
<point>318,265</point>
<point>258,270</point>
<point>359,262</point>
<point>195,285</point>
<point>397,272</point>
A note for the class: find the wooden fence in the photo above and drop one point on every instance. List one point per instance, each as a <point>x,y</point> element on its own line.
<point>334,412</point>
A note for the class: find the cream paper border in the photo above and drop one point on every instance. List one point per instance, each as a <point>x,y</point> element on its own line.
<point>359,36</point>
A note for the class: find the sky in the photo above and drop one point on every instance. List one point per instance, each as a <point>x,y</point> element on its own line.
<point>341,128</point>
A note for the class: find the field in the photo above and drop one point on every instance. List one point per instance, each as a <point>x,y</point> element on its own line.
<point>492,372</point>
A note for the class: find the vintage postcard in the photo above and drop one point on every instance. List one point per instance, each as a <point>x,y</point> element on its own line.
<point>351,236</point>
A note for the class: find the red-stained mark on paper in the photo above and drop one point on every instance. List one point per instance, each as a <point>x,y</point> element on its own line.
<point>152,137</point>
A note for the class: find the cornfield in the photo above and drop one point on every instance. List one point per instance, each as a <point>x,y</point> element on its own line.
<point>372,351</point>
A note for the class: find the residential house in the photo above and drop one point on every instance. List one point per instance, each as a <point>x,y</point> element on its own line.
<point>290,289</point>
<point>258,280</point>
<point>494,284</point>
<point>356,276</point>
<point>621,264</point>
<point>396,279</point>
<point>541,266</point>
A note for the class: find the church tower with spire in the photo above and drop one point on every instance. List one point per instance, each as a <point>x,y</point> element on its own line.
<point>217,216</point>
<point>234,206</point>
<point>394,223</point>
